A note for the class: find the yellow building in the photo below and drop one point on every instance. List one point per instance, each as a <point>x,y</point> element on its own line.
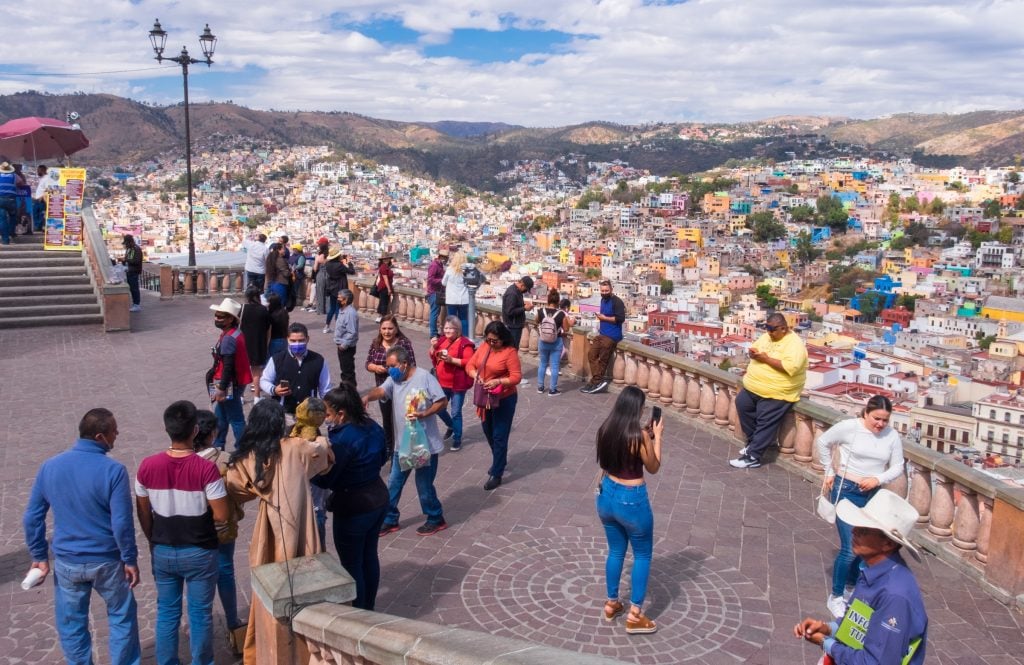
<point>1003,308</point>
<point>690,235</point>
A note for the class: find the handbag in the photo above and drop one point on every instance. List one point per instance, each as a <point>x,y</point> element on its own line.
<point>485,398</point>
<point>374,291</point>
<point>825,507</point>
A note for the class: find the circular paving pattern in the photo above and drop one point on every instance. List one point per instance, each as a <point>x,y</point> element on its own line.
<point>548,586</point>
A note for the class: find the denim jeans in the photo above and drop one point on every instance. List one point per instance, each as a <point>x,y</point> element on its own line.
<point>497,426</point>
<point>435,311</point>
<point>461,311</point>
<point>452,416</point>
<point>38,214</point>
<point>73,584</point>
<point>8,218</point>
<point>333,307</point>
<point>429,503</point>
<point>276,346</point>
<point>133,287</point>
<point>229,412</point>
<point>194,568</point>
<point>550,355</point>
<point>355,539</point>
<point>226,583</point>
<point>846,566</point>
<point>256,278</point>
<point>625,512</point>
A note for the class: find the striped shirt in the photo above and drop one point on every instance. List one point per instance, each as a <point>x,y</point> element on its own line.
<point>179,490</point>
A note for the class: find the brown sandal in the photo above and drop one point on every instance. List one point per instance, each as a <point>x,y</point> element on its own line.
<point>638,624</point>
<point>612,609</point>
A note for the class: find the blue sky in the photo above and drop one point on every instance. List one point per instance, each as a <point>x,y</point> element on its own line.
<point>541,63</point>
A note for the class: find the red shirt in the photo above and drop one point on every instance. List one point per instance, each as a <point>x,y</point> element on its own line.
<point>501,363</point>
<point>453,377</point>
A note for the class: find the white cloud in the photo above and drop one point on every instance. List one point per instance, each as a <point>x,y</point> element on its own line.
<point>705,59</point>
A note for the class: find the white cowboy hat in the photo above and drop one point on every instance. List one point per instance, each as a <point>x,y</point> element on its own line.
<point>886,511</point>
<point>228,306</point>
<point>5,167</point>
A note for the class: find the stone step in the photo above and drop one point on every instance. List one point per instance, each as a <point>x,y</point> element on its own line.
<point>46,310</point>
<point>55,271</point>
<point>40,260</point>
<point>54,320</point>
<point>26,280</point>
<point>82,287</point>
<point>85,297</point>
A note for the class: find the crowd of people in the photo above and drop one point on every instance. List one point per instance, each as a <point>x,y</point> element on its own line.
<point>309,447</point>
<point>22,209</point>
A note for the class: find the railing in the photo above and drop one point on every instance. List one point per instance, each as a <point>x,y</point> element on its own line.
<point>114,299</point>
<point>967,518</point>
<point>202,281</point>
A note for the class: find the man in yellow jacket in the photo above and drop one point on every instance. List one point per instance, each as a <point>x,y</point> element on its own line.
<point>773,383</point>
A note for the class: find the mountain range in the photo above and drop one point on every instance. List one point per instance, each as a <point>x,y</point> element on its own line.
<point>124,132</point>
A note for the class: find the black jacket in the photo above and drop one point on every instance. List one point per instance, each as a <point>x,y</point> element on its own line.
<point>513,308</point>
<point>337,275</point>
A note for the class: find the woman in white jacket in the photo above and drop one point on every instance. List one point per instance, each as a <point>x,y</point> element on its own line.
<point>456,295</point>
<point>870,454</point>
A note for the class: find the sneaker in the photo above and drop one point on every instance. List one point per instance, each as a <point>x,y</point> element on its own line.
<point>135,308</point>
<point>456,446</point>
<point>327,330</point>
<point>449,433</point>
<point>587,387</point>
<point>554,392</point>
<point>612,609</point>
<point>377,320</point>
<point>745,462</point>
<point>639,624</point>
<point>540,390</point>
<point>600,387</point>
<point>743,451</point>
<point>493,483</point>
<point>388,527</point>
<point>431,528</point>
<point>837,606</point>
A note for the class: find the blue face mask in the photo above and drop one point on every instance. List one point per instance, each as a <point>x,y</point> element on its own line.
<point>395,374</point>
<point>297,348</point>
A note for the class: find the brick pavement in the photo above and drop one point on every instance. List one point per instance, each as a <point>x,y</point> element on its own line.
<point>738,556</point>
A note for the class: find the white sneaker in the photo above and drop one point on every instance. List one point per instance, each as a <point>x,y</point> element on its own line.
<point>327,329</point>
<point>837,606</point>
<point>743,451</point>
<point>135,308</point>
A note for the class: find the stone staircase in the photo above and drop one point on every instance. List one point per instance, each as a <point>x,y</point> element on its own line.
<point>40,288</point>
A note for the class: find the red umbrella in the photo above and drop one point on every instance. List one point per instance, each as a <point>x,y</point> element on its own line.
<point>35,139</point>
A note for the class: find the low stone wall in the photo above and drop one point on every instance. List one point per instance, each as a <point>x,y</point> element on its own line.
<point>114,299</point>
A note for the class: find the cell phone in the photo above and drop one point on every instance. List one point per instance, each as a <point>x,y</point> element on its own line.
<point>283,383</point>
<point>656,414</point>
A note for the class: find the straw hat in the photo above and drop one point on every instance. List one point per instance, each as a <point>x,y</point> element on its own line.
<point>886,511</point>
<point>228,306</point>
<point>5,167</point>
<point>335,253</point>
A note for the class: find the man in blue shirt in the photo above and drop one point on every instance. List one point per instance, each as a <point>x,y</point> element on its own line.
<point>897,624</point>
<point>346,334</point>
<point>8,202</point>
<point>602,347</point>
<point>93,540</point>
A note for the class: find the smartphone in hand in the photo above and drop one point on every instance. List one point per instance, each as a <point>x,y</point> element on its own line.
<point>656,414</point>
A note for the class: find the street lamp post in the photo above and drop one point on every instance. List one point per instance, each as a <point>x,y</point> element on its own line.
<point>208,42</point>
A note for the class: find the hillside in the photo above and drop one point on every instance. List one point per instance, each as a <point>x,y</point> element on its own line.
<point>123,132</point>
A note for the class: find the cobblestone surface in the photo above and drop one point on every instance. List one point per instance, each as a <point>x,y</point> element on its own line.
<point>738,555</point>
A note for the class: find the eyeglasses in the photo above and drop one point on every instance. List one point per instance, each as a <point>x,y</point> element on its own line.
<point>492,340</point>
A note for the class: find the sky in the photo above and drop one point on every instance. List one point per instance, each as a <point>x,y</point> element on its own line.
<point>539,63</point>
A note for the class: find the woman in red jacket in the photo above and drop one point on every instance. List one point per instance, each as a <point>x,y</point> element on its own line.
<point>496,365</point>
<point>450,355</point>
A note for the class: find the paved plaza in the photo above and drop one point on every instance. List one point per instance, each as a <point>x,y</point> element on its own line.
<point>738,555</point>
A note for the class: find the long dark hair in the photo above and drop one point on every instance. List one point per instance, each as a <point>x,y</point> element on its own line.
<point>621,436</point>
<point>262,437</point>
<point>252,295</point>
<point>207,422</point>
<point>501,331</point>
<point>346,398</point>
<point>378,341</point>
<point>271,263</point>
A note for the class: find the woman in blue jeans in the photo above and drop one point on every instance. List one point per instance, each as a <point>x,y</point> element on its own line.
<point>360,497</point>
<point>550,353</point>
<point>625,448</point>
<point>450,354</point>
<point>495,366</point>
<point>870,454</point>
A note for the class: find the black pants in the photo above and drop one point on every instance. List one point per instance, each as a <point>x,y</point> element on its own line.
<point>388,422</point>
<point>133,287</point>
<point>384,302</point>
<point>517,336</point>
<point>347,365</point>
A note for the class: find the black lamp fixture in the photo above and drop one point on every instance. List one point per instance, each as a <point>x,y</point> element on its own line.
<point>207,42</point>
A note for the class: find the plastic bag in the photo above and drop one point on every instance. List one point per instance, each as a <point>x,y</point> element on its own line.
<point>413,447</point>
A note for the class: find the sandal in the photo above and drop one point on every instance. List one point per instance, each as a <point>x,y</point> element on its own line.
<point>638,624</point>
<point>612,609</point>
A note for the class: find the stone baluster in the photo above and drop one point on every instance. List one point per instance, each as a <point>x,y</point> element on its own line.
<point>721,405</point>
<point>984,528</point>
<point>362,300</point>
<point>533,340</point>
<point>215,284</point>
<point>816,431</point>
<point>942,508</point>
<point>692,394</point>
<point>629,371</point>
<point>787,434</point>
<point>479,325</point>
<point>678,389</point>
<point>920,493</point>
<point>707,400</point>
<point>734,416</point>
<point>402,309</point>
<point>804,444</point>
<point>967,520</point>
<point>654,381</point>
<point>668,383</point>
<point>619,368</point>
<point>643,373</point>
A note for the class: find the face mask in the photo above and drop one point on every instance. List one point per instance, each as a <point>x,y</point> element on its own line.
<point>223,324</point>
<point>297,348</point>
<point>395,374</point>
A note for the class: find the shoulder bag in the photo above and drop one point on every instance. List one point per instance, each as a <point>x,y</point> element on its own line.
<point>825,508</point>
<point>482,397</point>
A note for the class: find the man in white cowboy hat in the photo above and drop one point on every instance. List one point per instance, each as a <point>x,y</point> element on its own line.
<point>230,373</point>
<point>886,622</point>
<point>8,202</point>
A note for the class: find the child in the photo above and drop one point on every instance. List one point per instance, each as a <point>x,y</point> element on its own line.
<point>227,533</point>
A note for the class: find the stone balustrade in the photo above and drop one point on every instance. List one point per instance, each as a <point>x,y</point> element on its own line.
<point>967,518</point>
<point>203,281</point>
<point>114,299</point>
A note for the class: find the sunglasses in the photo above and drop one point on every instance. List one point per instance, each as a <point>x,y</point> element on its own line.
<point>492,340</point>
<point>774,328</point>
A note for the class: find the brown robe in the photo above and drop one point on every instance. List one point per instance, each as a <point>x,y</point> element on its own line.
<point>285,525</point>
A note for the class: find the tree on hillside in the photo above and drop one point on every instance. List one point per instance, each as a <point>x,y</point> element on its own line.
<point>765,295</point>
<point>992,209</point>
<point>765,226</point>
<point>590,196</point>
<point>666,287</point>
<point>802,214</point>
<point>1013,177</point>
<point>908,301</point>
<point>805,249</point>
<point>832,213</point>
<point>936,206</point>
